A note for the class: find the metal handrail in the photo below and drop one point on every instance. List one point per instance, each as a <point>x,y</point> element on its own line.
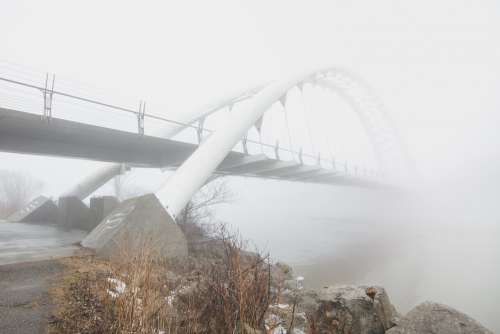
<point>135,112</point>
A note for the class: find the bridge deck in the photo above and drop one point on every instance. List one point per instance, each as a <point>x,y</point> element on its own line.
<point>22,132</point>
<point>27,133</point>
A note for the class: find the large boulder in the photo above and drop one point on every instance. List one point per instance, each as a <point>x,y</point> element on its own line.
<point>433,318</point>
<point>134,225</point>
<point>348,309</point>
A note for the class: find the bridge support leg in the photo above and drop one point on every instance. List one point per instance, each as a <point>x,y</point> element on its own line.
<point>93,182</point>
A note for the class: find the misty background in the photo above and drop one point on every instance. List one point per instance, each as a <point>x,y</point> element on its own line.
<point>434,65</point>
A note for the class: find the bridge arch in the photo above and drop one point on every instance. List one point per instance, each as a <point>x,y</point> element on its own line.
<point>197,169</point>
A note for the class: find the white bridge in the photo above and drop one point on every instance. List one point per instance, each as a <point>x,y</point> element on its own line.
<point>225,149</point>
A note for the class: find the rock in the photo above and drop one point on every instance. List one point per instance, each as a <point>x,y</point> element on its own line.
<point>433,318</point>
<point>135,224</point>
<point>308,301</point>
<point>349,309</point>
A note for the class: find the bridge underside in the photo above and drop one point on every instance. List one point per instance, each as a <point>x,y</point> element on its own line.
<point>27,133</point>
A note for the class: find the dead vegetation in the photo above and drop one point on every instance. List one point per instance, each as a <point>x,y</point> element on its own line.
<point>197,218</point>
<point>231,292</point>
<point>227,292</point>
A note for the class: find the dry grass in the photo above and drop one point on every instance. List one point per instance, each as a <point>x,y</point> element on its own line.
<point>141,306</point>
<point>227,292</point>
<point>125,296</point>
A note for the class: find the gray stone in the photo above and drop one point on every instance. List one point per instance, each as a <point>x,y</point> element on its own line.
<point>350,309</point>
<point>137,223</point>
<point>74,214</point>
<point>100,208</point>
<point>40,210</point>
<point>433,318</point>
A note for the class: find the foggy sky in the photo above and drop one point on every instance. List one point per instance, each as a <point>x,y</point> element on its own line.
<point>433,63</point>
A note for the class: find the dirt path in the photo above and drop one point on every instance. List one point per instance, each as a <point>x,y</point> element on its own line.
<point>25,304</point>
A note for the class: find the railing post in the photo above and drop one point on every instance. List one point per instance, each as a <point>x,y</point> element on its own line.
<point>277,150</point>
<point>140,117</point>
<point>301,157</point>
<point>48,94</point>
<point>199,130</point>
<point>244,143</point>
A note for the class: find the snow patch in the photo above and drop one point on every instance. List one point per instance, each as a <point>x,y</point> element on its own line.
<point>118,289</point>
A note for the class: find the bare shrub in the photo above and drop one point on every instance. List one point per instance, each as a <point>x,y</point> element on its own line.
<point>232,293</point>
<point>16,190</point>
<point>198,215</point>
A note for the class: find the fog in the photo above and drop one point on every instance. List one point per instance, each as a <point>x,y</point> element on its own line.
<point>433,64</point>
<point>439,244</point>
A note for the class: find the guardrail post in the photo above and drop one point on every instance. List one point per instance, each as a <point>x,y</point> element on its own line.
<point>301,157</point>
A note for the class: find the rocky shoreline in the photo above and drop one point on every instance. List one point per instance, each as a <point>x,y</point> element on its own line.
<point>356,309</point>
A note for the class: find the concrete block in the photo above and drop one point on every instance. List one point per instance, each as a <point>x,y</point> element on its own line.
<point>134,224</point>
<point>40,210</point>
<point>100,208</point>
<point>74,214</point>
